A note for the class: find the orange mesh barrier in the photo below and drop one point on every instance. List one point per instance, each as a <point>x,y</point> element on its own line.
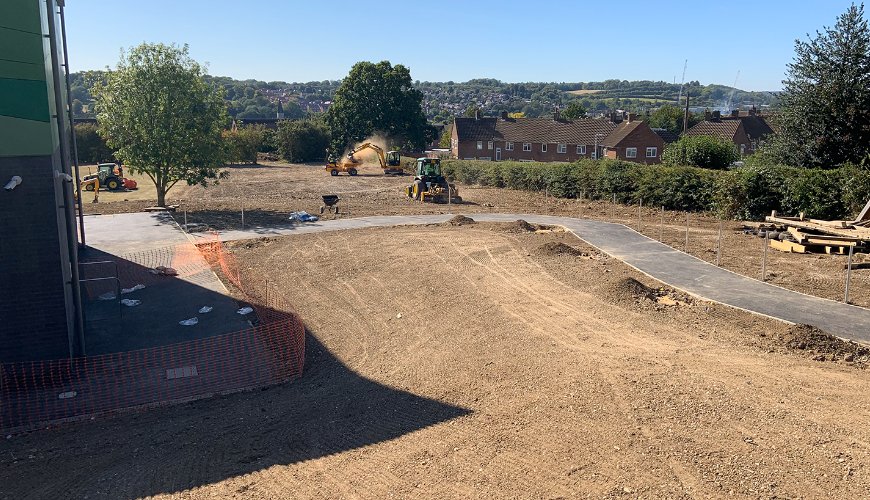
<point>33,394</point>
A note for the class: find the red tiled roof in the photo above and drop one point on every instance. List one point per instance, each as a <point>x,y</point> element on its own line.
<point>621,132</point>
<point>756,127</point>
<point>724,130</point>
<point>539,130</point>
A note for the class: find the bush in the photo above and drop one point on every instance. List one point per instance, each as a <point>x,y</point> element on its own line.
<point>749,192</point>
<point>302,140</point>
<point>90,145</point>
<point>244,142</point>
<point>700,151</point>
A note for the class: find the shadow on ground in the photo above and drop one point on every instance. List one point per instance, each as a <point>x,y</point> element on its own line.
<point>172,449</point>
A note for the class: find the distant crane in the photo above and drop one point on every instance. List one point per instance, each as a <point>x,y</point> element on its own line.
<point>733,89</point>
<point>683,81</point>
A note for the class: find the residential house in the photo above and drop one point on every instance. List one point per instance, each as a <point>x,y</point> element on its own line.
<point>746,130</point>
<point>633,140</point>
<point>540,139</point>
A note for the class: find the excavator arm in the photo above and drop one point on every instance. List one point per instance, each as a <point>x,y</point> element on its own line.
<point>367,145</point>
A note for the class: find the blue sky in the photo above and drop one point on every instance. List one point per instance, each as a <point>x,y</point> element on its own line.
<point>446,40</point>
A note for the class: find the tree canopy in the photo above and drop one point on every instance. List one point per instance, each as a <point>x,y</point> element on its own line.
<point>161,118</point>
<point>378,97</point>
<point>574,110</point>
<point>670,118</point>
<point>825,116</point>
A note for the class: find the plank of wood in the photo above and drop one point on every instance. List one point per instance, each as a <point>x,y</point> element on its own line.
<point>860,233</point>
<point>797,234</point>
<point>813,240</point>
<point>788,246</point>
<point>835,250</point>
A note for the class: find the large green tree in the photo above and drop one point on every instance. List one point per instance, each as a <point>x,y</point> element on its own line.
<point>161,118</point>
<point>670,118</point>
<point>825,116</point>
<point>574,110</point>
<point>378,97</point>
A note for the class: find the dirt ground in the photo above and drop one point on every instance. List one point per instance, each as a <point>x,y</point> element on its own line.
<point>268,193</point>
<point>487,361</point>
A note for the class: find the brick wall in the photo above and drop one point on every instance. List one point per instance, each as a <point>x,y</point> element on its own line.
<point>33,303</point>
<point>468,149</point>
<point>641,138</point>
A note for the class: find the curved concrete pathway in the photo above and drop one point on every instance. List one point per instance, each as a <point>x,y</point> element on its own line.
<point>659,261</point>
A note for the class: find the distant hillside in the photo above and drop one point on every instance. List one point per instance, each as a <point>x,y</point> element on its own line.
<point>442,101</point>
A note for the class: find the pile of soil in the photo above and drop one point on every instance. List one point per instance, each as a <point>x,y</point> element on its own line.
<point>556,248</point>
<point>630,287</point>
<point>517,226</point>
<point>460,220</point>
<point>823,346</point>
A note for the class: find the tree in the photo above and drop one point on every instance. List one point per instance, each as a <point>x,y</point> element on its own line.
<point>77,107</point>
<point>670,118</point>
<point>825,117</point>
<point>472,110</point>
<point>446,137</point>
<point>378,97</point>
<point>303,140</point>
<point>161,118</point>
<point>700,151</point>
<point>90,146</point>
<point>574,110</point>
<point>243,143</point>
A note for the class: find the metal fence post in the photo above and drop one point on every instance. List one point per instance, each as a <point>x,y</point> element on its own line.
<point>764,256</point>
<point>687,232</point>
<point>719,245</point>
<point>243,217</point>
<point>848,273</point>
<point>613,208</point>
<point>185,220</point>
<point>662,225</point>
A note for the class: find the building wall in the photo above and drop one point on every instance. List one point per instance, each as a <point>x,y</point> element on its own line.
<point>468,149</point>
<point>641,138</point>
<point>38,313</point>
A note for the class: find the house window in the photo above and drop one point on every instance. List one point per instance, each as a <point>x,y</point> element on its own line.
<point>509,146</point>
<point>563,148</point>
<point>581,150</point>
<point>652,152</point>
<point>489,145</point>
<point>631,152</point>
<point>543,148</point>
<point>527,146</point>
<point>479,144</point>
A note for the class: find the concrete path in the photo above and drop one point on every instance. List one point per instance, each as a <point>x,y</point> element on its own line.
<point>659,261</point>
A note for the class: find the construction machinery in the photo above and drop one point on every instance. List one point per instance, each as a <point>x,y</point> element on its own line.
<point>111,177</point>
<point>389,161</point>
<point>430,185</point>
<point>92,184</point>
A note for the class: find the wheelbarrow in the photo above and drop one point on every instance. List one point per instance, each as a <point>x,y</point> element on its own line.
<point>330,201</point>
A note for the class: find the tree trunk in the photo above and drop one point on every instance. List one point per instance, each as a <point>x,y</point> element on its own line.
<point>161,196</point>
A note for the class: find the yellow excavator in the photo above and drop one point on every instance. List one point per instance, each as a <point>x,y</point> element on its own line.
<point>92,184</point>
<point>390,162</point>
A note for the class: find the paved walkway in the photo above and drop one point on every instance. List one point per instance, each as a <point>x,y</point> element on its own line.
<point>670,266</point>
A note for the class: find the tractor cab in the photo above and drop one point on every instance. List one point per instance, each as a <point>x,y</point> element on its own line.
<point>111,176</point>
<point>393,159</point>
<point>428,168</point>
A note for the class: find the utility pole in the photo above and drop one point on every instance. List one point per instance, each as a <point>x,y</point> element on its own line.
<point>686,115</point>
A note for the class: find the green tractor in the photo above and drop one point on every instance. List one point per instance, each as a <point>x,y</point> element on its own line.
<point>111,177</point>
<point>430,185</point>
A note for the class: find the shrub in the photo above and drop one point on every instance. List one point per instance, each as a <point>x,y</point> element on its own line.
<point>302,140</point>
<point>90,145</point>
<point>700,151</point>
<point>243,143</point>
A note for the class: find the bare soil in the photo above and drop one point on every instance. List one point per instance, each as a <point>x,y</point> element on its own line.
<point>269,192</point>
<point>460,362</point>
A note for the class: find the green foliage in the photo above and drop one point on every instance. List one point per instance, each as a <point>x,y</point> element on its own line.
<point>826,97</point>
<point>670,118</point>
<point>161,118</point>
<point>446,137</point>
<point>90,146</point>
<point>378,97</point>
<point>747,193</point>
<point>244,142</point>
<point>303,140</point>
<point>700,151</point>
<point>574,110</point>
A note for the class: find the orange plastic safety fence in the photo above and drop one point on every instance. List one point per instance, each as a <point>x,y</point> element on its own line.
<point>33,394</point>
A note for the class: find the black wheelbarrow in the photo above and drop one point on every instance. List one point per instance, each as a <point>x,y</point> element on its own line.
<point>330,201</point>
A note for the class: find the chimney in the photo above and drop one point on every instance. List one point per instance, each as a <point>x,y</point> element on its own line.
<point>630,117</point>
<point>707,115</point>
<point>735,113</point>
<point>477,114</point>
<point>752,111</point>
<point>556,115</point>
<point>717,115</point>
<point>504,115</point>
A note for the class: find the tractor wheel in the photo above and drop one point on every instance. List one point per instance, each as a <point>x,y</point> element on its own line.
<point>89,187</point>
<point>333,172</point>
<point>352,171</point>
<point>113,183</point>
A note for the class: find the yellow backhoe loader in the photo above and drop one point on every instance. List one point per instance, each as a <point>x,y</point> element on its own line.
<point>390,161</point>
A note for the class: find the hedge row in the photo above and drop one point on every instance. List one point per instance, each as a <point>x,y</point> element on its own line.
<point>745,193</point>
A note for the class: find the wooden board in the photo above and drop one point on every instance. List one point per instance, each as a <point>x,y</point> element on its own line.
<point>859,233</point>
<point>788,246</point>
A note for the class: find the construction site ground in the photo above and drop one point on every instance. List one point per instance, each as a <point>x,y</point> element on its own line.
<point>487,360</point>
<point>269,192</point>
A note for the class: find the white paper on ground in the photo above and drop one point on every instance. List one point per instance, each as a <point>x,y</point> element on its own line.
<point>189,322</point>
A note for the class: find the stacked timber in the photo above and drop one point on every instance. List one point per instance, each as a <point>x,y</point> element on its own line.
<point>804,235</point>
